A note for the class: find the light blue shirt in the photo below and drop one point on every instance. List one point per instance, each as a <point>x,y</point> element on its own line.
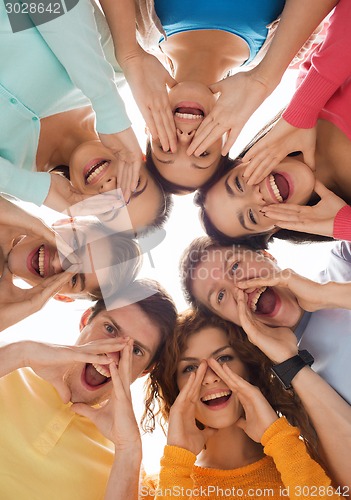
<point>37,69</point>
<point>326,334</point>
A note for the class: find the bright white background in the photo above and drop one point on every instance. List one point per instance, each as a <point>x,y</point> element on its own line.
<point>58,322</point>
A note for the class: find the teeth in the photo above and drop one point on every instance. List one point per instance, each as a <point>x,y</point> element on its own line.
<point>41,261</point>
<point>102,370</point>
<point>275,189</point>
<point>188,116</point>
<point>255,297</point>
<point>95,171</point>
<point>216,395</point>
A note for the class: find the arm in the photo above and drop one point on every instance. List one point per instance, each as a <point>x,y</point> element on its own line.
<point>145,74</point>
<point>251,88</point>
<point>86,64</point>
<point>329,413</point>
<point>116,420</point>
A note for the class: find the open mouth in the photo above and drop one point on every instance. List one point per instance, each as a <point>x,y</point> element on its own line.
<point>279,187</point>
<point>216,399</point>
<point>36,261</point>
<point>189,111</point>
<point>96,375</point>
<point>95,170</point>
<point>263,301</point>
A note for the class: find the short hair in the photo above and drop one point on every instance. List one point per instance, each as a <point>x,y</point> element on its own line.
<point>172,187</point>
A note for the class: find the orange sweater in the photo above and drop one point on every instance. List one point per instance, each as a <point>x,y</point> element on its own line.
<point>287,471</point>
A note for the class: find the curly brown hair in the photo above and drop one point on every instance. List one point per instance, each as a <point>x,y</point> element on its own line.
<point>163,388</point>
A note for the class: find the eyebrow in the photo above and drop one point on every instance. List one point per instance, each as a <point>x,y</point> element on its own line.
<point>82,281</point>
<point>239,214</point>
<point>120,329</point>
<point>217,351</point>
<point>138,193</point>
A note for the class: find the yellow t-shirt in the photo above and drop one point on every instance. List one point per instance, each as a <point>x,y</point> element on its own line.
<point>47,451</point>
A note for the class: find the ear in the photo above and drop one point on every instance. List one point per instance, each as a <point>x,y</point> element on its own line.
<point>63,298</point>
<point>267,255</point>
<point>84,319</point>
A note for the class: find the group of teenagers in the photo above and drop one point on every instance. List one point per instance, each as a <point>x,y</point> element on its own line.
<point>251,383</point>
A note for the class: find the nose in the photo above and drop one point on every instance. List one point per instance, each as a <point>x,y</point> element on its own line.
<point>185,136</point>
<point>258,195</point>
<point>210,377</point>
<point>108,184</point>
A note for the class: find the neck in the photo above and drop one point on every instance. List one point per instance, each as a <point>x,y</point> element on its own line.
<point>61,134</point>
<point>230,448</point>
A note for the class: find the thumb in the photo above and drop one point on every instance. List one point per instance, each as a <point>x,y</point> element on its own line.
<point>241,423</point>
<point>84,410</point>
<point>320,189</point>
<point>170,81</point>
<point>309,158</point>
<point>63,390</point>
<point>215,87</point>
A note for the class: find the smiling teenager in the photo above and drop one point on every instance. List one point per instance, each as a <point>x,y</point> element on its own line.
<point>52,452</point>
<point>221,405</point>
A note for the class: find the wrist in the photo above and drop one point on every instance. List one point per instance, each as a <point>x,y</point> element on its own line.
<point>129,57</point>
<point>287,370</point>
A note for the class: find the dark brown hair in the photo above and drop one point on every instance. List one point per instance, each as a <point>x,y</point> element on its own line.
<point>165,388</point>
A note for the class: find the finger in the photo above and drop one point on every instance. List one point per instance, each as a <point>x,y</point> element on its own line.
<point>258,282</point>
<point>119,389</point>
<point>194,392</point>
<point>135,174</point>
<point>170,128</point>
<point>170,81</point>
<point>125,366</point>
<point>205,129</point>
<point>149,120</point>
<point>85,411</point>
<point>232,137</point>
<point>309,158</point>
<point>162,135</point>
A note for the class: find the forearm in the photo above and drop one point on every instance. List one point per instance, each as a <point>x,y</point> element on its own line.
<point>124,477</point>
<point>120,17</point>
<point>12,357</point>
<point>331,417</point>
<point>337,295</point>
<point>25,185</point>
<point>288,40</point>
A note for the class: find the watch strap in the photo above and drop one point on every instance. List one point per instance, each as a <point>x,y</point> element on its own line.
<point>286,371</point>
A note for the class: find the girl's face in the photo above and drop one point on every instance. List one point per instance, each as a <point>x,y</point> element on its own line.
<point>33,260</point>
<point>234,207</point>
<point>93,170</point>
<point>217,407</point>
<point>190,102</point>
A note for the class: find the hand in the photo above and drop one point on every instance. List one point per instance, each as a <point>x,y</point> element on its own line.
<point>148,80</point>
<point>311,296</point>
<point>259,414</point>
<point>18,303</point>
<point>241,95</point>
<point>116,419</point>
<point>126,148</point>
<point>269,151</point>
<point>278,344</point>
<point>182,428</point>
<point>318,219</point>
<point>51,362</point>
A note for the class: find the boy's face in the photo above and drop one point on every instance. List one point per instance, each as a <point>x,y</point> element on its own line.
<point>214,285</point>
<point>86,382</point>
<point>33,259</point>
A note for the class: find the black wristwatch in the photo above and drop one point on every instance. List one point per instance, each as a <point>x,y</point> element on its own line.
<point>286,371</point>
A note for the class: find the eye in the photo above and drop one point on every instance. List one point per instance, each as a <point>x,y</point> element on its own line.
<point>205,153</point>
<point>190,368</point>
<point>220,296</point>
<point>252,217</point>
<point>137,351</point>
<point>74,280</point>
<point>110,329</point>
<point>225,358</point>
<point>238,184</point>
<point>234,267</point>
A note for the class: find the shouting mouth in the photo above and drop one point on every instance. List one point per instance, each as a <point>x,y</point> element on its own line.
<point>95,170</point>
<point>189,111</point>
<point>37,261</point>
<point>279,187</point>
<point>263,301</point>
<point>96,375</point>
<point>217,399</point>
